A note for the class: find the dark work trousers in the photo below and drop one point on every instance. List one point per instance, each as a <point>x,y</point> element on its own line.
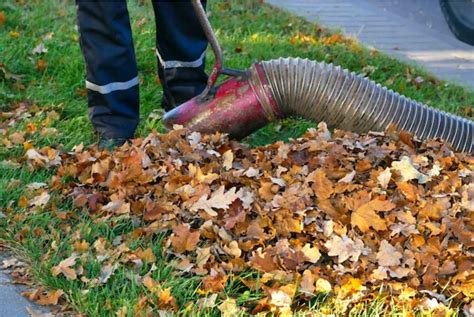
<point>112,76</point>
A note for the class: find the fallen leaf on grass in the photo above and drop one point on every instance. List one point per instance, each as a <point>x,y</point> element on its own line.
<point>263,262</point>
<point>295,212</point>
<point>41,65</point>
<point>106,272</point>
<point>64,267</point>
<point>40,200</point>
<point>49,157</point>
<point>17,138</point>
<point>166,301</point>
<point>228,308</point>
<point>146,255</point>
<point>183,239</point>
<point>40,49</point>
<point>282,297</point>
<point>81,246</point>
<point>214,283</point>
<point>50,298</point>
<point>14,34</point>
<point>323,286</point>
<point>117,206</point>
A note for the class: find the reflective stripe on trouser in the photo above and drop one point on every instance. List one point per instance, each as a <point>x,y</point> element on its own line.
<point>112,77</point>
<point>181,46</point>
<point>106,43</point>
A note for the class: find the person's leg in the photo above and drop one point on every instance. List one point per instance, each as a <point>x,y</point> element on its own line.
<point>112,77</point>
<point>181,50</point>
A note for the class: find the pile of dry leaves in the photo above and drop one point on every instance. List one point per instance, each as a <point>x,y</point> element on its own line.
<point>356,216</point>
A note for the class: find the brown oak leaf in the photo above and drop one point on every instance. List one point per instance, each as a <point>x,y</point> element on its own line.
<point>214,283</point>
<point>183,239</point>
<point>322,186</point>
<point>388,255</point>
<point>220,199</point>
<point>345,248</point>
<point>263,262</point>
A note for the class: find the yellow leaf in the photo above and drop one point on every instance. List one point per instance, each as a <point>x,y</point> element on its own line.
<point>81,246</point>
<point>311,253</point>
<point>228,308</point>
<point>166,300</point>
<point>228,157</point>
<point>14,34</point>
<point>323,286</point>
<point>351,287</point>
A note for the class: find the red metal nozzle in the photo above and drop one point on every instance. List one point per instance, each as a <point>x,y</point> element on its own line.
<point>235,107</point>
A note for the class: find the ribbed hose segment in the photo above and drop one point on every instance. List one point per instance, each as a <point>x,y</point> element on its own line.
<point>345,100</point>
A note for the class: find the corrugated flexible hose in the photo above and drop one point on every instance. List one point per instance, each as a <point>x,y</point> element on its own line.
<point>343,99</point>
<point>286,87</point>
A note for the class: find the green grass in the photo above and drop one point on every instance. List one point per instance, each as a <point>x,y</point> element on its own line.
<point>248,32</point>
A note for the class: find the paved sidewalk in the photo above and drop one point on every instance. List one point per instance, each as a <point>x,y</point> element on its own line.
<point>12,304</point>
<point>413,30</point>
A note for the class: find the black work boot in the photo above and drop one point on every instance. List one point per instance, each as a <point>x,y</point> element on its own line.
<point>109,144</point>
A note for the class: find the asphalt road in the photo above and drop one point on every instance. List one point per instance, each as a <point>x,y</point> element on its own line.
<point>412,30</point>
<point>425,12</point>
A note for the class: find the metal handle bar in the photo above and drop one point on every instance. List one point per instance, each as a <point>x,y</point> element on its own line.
<point>218,67</point>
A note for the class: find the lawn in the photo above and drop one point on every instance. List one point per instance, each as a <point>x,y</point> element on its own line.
<point>43,104</point>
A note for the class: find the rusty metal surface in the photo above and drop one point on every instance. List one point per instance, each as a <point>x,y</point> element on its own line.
<point>234,109</point>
